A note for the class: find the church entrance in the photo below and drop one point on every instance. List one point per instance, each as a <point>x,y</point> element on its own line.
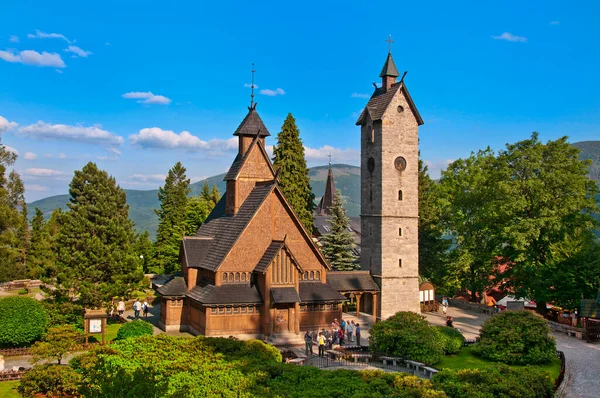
<point>281,320</point>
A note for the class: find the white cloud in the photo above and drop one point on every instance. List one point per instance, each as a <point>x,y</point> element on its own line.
<point>249,85</point>
<point>30,156</point>
<point>338,155</point>
<point>91,135</point>
<point>272,93</point>
<point>149,177</point>
<point>11,149</point>
<point>435,168</point>
<point>57,156</point>
<point>35,188</point>
<point>114,154</point>
<point>147,98</point>
<point>510,37</point>
<point>360,95</point>
<point>555,23</point>
<point>166,139</point>
<point>78,52</point>
<point>13,39</point>
<point>43,35</point>
<point>31,57</point>
<point>33,172</point>
<point>5,125</point>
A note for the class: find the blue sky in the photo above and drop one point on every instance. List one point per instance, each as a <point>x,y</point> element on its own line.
<point>136,86</point>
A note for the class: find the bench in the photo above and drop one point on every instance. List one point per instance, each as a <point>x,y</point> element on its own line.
<point>414,364</point>
<point>393,360</point>
<point>359,356</point>
<point>333,354</point>
<point>429,372</point>
<point>297,361</point>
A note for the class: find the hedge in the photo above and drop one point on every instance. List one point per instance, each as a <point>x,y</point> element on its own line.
<point>516,338</point>
<point>50,381</point>
<point>453,339</point>
<point>24,321</point>
<point>135,328</point>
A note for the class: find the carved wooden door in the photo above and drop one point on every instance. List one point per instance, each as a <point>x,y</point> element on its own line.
<point>281,320</point>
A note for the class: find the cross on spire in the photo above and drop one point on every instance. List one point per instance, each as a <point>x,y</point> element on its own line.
<point>329,160</point>
<point>389,42</point>
<point>252,88</point>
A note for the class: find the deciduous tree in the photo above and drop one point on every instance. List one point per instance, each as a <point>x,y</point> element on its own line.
<point>58,342</point>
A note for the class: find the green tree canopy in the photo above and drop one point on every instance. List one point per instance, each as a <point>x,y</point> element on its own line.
<point>173,197</point>
<point>58,341</point>
<point>338,244</point>
<point>290,166</point>
<point>95,259</point>
<point>40,256</point>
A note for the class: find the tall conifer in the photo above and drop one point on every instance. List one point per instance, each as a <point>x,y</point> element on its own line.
<point>96,260</point>
<point>173,197</point>
<point>339,243</point>
<point>40,256</point>
<point>290,164</point>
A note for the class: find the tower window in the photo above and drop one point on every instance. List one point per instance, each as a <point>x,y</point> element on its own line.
<point>400,262</point>
<point>400,195</point>
<point>370,194</point>
<point>370,231</point>
<point>399,231</point>
<point>372,135</point>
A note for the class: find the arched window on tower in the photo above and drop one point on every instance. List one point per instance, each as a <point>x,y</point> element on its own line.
<point>400,195</point>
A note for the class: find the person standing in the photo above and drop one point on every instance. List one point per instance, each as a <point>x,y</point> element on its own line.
<point>357,331</point>
<point>444,305</point>
<point>308,340</point>
<point>321,345</point>
<point>574,319</point>
<point>349,330</point>
<point>341,336</point>
<point>121,307</point>
<point>449,322</point>
<point>146,309</point>
<point>137,306</point>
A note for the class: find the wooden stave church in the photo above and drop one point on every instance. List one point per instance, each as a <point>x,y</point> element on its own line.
<point>252,268</point>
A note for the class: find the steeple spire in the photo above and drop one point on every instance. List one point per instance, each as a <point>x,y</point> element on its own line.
<point>389,72</point>
<point>252,104</point>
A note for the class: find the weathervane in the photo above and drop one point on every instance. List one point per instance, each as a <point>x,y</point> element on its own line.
<point>389,42</point>
<point>252,104</point>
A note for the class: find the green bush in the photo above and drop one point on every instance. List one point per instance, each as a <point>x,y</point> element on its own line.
<point>135,328</point>
<point>24,321</point>
<point>22,291</point>
<point>408,335</point>
<point>516,338</point>
<point>500,381</point>
<point>64,313</point>
<point>50,381</point>
<point>453,339</point>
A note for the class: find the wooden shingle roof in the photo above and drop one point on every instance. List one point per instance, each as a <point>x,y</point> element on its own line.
<point>315,291</point>
<point>252,125</point>
<point>195,249</point>
<point>380,101</point>
<point>285,295</point>
<point>239,160</point>
<point>269,255</point>
<point>234,293</point>
<point>176,287</point>
<point>348,281</point>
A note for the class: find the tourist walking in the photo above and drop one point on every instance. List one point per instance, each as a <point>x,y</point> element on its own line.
<point>357,331</point>
<point>321,345</point>
<point>449,322</point>
<point>349,330</point>
<point>444,305</point>
<point>574,318</point>
<point>112,309</point>
<point>137,306</point>
<point>146,309</point>
<point>341,336</point>
<point>121,307</point>
<point>308,341</point>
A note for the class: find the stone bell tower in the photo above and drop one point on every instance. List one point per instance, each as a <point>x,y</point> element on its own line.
<point>389,127</point>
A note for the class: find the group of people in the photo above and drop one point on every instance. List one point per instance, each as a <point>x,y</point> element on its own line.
<point>138,308</point>
<point>341,333</point>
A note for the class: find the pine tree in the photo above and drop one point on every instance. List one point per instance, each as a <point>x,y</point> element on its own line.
<point>95,259</point>
<point>338,244</point>
<point>16,198</point>
<point>173,197</point>
<point>40,256</point>
<point>205,193</point>
<point>144,249</point>
<point>290,164</point>
<point>215,195</point>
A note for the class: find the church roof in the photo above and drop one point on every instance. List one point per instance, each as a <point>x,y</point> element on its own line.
<point>326,201</point>
<point>252,125</point>
<point>285,295</point>
<point>225,230</point>
<point>231,293</point>
<point>311,292</point>
<point>380,101</point>
<point>239,161</point>
<point>195,249</point>
<point>389,68</point>
<point>347,281</point>
<point>274,248</point>
<point>174,287</point>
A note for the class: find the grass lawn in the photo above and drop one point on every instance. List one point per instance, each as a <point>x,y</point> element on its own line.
<point>111,334</point>
<point>465,359</point>
<point>8,389</point>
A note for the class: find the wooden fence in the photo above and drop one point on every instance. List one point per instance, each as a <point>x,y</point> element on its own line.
<point>9,375</point>
<point>561,375</point>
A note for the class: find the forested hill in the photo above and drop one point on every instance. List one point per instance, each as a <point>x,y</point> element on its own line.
<point>591,150</point>
<point>143,203</point>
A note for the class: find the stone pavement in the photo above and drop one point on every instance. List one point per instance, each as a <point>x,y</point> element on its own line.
<point>467,322</point>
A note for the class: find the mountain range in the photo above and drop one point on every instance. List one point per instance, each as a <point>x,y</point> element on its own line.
<point>347,180</point>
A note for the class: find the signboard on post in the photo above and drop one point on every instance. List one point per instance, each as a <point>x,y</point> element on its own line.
<point>95,323</point>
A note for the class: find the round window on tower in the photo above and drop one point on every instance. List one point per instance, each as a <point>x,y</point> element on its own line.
<point>371,164</point>
<point>400,163</point>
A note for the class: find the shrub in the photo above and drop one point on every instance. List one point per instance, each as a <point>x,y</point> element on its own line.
<point>22,291</point>
<point>453,339</point>
<point>23,321</point>
<point>134,329</point>
<point>50,381</point>
<point>516,338</point>
<point>499,381</point>
<point>64,313</point>
<point>408,335</point>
